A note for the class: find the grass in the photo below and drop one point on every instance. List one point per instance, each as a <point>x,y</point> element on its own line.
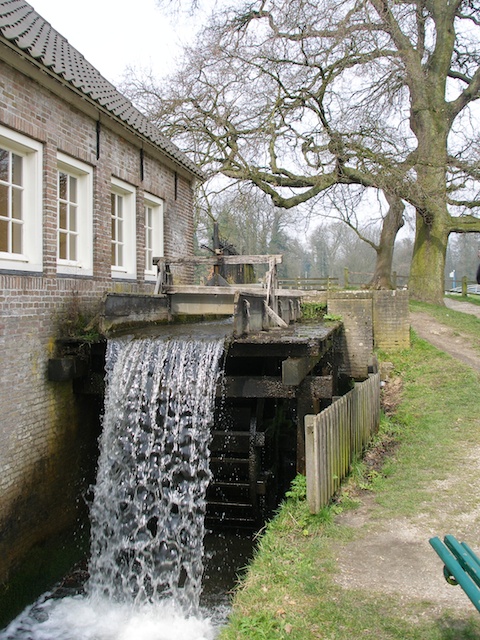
<point>289,590</point>
<point>473,299</point>
<point>462,322</point>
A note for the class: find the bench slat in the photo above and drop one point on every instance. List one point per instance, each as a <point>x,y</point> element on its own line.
<point>455,569</point>
<point>465,556</point>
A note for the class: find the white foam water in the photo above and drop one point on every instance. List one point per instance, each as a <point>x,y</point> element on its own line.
<point>87,618</point>
<point>147,517</point>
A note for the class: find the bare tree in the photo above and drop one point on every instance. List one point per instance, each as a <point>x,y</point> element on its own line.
<point>354,207</point>
<point>296,96</point>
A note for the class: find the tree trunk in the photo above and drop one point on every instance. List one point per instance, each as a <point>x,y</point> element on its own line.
<point>433,221</point>
<point>427,273</point>
<point>392,223</point>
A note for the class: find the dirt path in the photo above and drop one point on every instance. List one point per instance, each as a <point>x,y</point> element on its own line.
<point>394,556</point>
<point>445,338</point>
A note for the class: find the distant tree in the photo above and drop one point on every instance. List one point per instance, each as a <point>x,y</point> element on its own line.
<point>402,259</point>
<point>353,206</point>
<point>462,256</point>
<point>339,247</point>
<point>296,96</point>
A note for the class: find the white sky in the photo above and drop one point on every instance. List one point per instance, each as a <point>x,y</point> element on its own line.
<point>114,34</point>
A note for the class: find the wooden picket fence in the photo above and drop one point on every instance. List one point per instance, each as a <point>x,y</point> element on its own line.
<point>336,436</point>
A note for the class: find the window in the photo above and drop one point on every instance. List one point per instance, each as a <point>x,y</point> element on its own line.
<point>123,230</point>
<point>74,217</point>
<point>20,202</point>
<point>153,234</point>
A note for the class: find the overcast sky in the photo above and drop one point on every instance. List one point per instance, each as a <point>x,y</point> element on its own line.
<point>113,34</point>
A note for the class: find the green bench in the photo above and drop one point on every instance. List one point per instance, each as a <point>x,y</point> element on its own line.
<point>462,566</point>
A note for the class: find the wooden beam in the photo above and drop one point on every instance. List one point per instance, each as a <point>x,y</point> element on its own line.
<point>315,387</point>
<point>255,387</point>
<point>275,317</point>
<point>294,370</point>
<point>220,259</point>
<point>320,386</point>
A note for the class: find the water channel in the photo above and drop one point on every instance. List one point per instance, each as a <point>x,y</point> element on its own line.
<point>150,575</point>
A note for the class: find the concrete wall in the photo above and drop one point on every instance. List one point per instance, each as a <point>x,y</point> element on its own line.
<point>43,430</point>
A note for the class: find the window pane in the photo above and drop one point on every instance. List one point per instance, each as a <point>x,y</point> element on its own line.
<point>119,255</point>
<point>17,237</point>
<point>62,222</point>
<point>73,218</point>
<point>62,185</point>
<point>120,230</point>
<point>17,212</point>
<point>73,189</point>
<point>4,162</point>
<point>4,208</point>
<point>114,259</point>
<point>119,206</point>
<point>17,169</point>
<point>62,246</point>
<point>3,235</point>
<point>73,247</point>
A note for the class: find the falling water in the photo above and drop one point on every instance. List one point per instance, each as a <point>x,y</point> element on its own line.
<point>148,511</point>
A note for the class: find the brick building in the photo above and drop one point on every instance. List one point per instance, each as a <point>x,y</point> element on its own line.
<point>89,192</point>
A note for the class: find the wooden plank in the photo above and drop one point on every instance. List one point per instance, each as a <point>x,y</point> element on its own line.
<point>275,317</point>
<point>312,460</point>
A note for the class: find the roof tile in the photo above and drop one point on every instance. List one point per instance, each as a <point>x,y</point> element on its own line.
<point>23,27</point>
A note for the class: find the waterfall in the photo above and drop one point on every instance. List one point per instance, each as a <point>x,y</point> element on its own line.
<point>149,506</point>
<point>147,516</point>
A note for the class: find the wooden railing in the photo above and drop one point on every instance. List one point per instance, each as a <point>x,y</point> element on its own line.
<point>317,284</point>
<point>351,280</point>
<point>336,436</point>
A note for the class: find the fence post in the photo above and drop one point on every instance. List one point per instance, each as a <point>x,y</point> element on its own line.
<point>312,461</point>
<point>345,277</point>
<point>464,286</point>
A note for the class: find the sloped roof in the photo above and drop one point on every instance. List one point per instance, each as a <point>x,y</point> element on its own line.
<point>23,27</point>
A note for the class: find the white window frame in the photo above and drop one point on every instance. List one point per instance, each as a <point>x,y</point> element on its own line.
<point>128,268</point>
<point>153,208</point>
<point>83,264</point>
<point>31,151</point>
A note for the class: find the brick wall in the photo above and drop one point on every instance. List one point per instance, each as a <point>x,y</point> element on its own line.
<point>371,319</point>
<point>391,320</point>
<point>43,428</point>
<point>355,308</point>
